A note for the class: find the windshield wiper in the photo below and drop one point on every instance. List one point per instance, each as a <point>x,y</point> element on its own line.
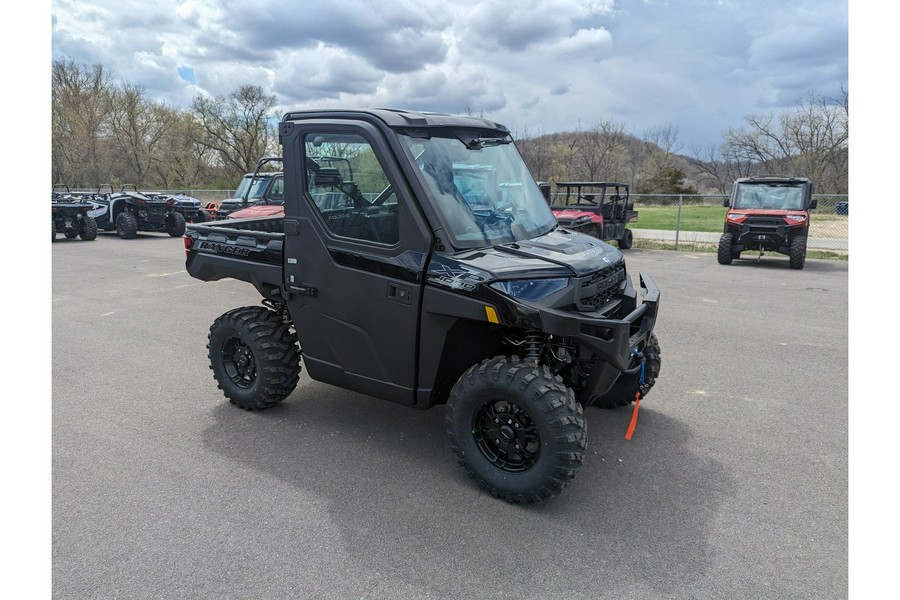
<point>479,143</point>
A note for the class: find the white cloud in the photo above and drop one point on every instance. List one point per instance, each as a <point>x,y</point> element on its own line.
<point>701,65</point>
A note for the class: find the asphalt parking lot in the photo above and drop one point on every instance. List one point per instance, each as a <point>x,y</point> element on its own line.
<point>735,484</point>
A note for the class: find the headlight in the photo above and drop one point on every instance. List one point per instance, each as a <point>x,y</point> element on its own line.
<point>531,289</point>
<point>736,217</point>
<point>794,218</point>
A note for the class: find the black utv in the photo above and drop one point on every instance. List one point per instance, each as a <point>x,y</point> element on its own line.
<point>411,283</point>
<point>130,211</point>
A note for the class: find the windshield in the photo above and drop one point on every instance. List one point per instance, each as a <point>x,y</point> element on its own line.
<point>256,190</point>
<point>779,196</point>
<point>483,191</point>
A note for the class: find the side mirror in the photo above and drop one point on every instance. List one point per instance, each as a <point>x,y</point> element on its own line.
<point>813,203</point>
<point>727,202</point>
<point>545,190</point>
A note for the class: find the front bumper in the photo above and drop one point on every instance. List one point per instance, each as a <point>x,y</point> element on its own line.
<point>770,233</point>
<point>611,340</point>
<point>609,345</point>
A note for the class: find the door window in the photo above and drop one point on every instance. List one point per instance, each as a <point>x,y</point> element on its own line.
<point>349,188</point>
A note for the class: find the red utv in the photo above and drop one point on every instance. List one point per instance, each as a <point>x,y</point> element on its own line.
<point>767,213</point>
<point>598,208</point>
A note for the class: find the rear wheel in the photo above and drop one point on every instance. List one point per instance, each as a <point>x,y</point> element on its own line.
<point>798,252</point>
<point>88,229</point>
<point>126,225</point>
<point>203,216</point>
<point>53,222</point>
<point>71,235</point>
<point>176,225</point>
<point>627,240</point>
<point>516,429</point>
<point>624,391</point>
<point>254,357</point>
<point>725,254</point>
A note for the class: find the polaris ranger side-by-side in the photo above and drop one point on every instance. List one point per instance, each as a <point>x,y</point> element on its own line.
<point>259,188</point>
<point>398,285</point>
<point>602,209</point>
<point>767,213</point>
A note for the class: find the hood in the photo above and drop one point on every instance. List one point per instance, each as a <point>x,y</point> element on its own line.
<point>260,210</point>
<point>554,254</point>
<point>766,212</point>
<point>185,200</point>
<point>573,214</point>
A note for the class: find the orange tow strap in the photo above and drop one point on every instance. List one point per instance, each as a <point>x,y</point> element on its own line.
<point>633,424</point>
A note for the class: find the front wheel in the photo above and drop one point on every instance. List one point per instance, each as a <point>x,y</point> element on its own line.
<point>798,252</point>
<point>254,357</point>
<point>627,240</point>
<point>516,429</point>
<point>725,254</point>
<point>176,224</point>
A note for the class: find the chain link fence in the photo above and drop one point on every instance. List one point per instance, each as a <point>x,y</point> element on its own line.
<point>689,221</point>
<point>697,220</point>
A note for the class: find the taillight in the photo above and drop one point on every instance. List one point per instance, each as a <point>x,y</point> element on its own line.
<point>188,242</point>
<point>139,202</point>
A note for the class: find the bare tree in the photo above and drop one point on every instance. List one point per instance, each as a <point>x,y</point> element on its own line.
<point>238,127</point>
<point>563,150</point>
<point>718,167</point>
<point>602,151</point>
<point>80,106</point>
<point>138,128</point>
<point>810,140</point>
<point>535,153</point>
<point>182,162</point>
<point>659,145</point>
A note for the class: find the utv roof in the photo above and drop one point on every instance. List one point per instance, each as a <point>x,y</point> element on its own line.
<point>772,179</point>
<point>402,118</point>
<point>589,184</point>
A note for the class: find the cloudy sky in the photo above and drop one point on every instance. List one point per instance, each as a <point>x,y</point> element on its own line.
<point>540,66</point>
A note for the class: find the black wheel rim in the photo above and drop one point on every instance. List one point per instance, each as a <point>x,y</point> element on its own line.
<point>239,363</point>
<point>506,435</point>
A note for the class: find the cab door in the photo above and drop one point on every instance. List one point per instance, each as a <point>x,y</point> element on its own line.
<point>355,254</point>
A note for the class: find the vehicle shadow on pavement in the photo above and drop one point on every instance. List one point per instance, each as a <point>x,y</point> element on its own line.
<point>637,516</point>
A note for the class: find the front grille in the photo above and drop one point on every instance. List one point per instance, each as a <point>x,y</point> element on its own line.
<point>764,223</point>
<point>599,287</point>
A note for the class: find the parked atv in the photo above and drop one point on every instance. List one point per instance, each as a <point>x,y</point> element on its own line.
<point>768,213</point>
<point>127,212</point>
<point>70,215</point>
<point>188,206</point>
<point>601,209</point>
